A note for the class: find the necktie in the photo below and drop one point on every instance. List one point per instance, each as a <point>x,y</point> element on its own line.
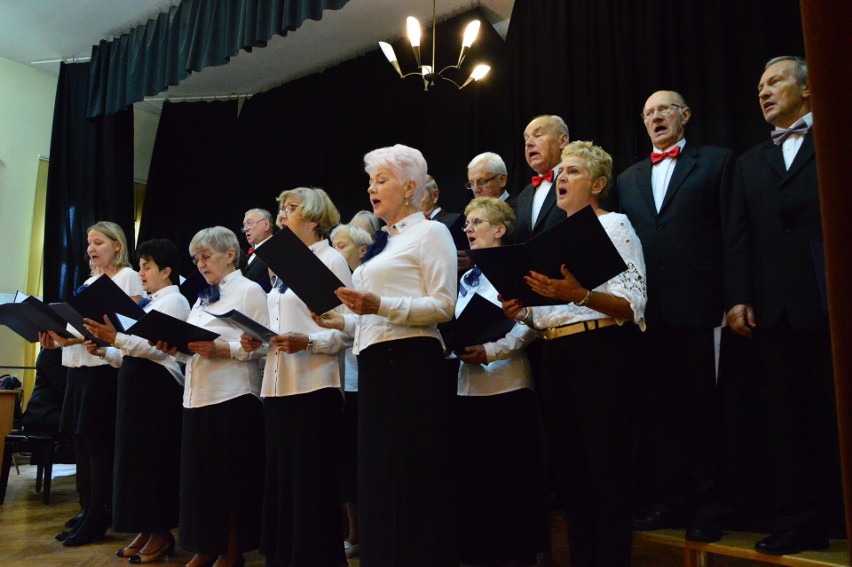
<point>657,157</point>
<point>471,280</point>
<point>144,301</point>
<point>279,284</point>
<point>209,295</point>
<point>377,246</point>
<point>781,134</point>
<point>538,179</point>
<point>250,250</point>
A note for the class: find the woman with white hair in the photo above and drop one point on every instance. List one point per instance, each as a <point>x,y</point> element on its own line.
<point>221,477</point>
<point>405,286</point>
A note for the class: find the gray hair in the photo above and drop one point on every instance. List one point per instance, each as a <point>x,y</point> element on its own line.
<point>556,121</point>
<point>262,213</point>
<point>370,219</point>
<point>217,238</point>
<point>357,235</point>
<point>316,207</point>
<point>408,163</point>
<point>493,163</point>
<point>800,71</point>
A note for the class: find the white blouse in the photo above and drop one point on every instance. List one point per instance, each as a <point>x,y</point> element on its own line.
<point>302,372</point>
<point>169,301</point>
<point>508,367</point>
<point>213,381</point>
<point>629,285</point>
<point>415,277</point>
<point>75,356</point>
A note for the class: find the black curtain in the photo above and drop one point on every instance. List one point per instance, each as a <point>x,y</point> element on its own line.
<point>192,183</point>
<point>90,178</point>
<point>209,166</point>
<point>595,62</point>
<point>190,36</point>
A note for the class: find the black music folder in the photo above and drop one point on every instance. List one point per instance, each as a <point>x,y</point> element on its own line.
<point>75,319</point>
<point>104,297</point>
<point>246,324</point>
<point>580,242</point>
<point>458,233</point>
<point>28,315</point>
<point>481,322</point>
<point>300,270</point>
<point>158,326</point>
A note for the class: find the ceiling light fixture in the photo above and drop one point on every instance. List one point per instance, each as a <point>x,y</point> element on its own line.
<point>427,72</point>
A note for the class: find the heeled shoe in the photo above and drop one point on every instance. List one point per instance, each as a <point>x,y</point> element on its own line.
<point>167,549</point>
<point>130,550</point>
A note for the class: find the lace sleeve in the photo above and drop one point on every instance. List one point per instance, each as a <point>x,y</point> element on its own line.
<point>629,284</point>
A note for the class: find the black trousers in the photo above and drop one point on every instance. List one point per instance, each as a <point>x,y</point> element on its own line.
<point>679,420</point>
<point>797,429</point>
<point>587,399</point>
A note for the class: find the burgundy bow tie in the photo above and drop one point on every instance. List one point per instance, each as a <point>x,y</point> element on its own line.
<point>537,179</point>
<point>657,157</point>
<point>250,250</point>
<point>781,134</point>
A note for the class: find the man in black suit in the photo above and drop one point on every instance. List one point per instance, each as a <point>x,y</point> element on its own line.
<point>535,208</point>
<point>430,207</point>
<point>775,290</point>
<point>674,201</point>
<point>257,226</point>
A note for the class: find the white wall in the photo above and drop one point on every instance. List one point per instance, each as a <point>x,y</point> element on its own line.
<point>145,122</point>
<point>26,117</point>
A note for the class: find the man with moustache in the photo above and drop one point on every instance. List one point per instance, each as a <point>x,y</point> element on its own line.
<point>257,226</point>
<point>775,293</point>
<point>673,198</point>
<point>544,138</point>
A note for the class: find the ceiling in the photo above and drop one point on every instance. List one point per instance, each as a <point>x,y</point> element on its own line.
<point>35,31</point>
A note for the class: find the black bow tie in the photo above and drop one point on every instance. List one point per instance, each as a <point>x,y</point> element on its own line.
<point>209,295</point>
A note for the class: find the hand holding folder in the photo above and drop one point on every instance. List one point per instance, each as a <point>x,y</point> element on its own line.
<point>157,326</point>
<point>579,242</point>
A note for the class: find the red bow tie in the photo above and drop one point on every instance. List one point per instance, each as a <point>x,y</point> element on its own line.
<point>537,179</point>
<point>657,157</point>
<point>251,250</point>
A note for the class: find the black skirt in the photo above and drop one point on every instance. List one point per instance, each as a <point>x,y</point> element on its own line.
<point>501,511</point>
<point>349,450</point>
<point>147,447</point>
<point>89,404</point>
<point>221,475</point>
<point>301,503</point>
<point>405,469</point>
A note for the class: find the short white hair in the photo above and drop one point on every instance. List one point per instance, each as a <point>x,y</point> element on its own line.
<point>408,163</point>
<point>493,163</point>
<point>356,234</point>
<point>217,239</point>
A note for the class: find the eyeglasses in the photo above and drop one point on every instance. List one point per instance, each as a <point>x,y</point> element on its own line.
<point>289,209</point>
<point>203,257</point>
<point>663,109</point>
<point>474,222</point>
<point>250,225</point>
<point>481,182</point>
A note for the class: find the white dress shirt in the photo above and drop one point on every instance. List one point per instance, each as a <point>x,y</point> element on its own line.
<point>539,195</point>
<point>791,145</point>
<point>415,278</point>
<point>661,174</point>
<point>213,381</point>
<point>508,368</point>
<point>302,372</point>
<point>75,356</point>
<point>169,301</point>
<point>629,285</point>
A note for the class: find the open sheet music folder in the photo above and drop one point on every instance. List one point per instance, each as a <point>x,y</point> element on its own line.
<point>580,242</point>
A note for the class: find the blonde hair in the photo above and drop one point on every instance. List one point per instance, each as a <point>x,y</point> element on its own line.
<point>316,207</point>
<point>496,212</point>
<point>356,234</point>
<point>598,160</point>
<point>115,233</point>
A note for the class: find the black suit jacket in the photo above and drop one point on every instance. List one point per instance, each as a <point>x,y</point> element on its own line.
<point>548,216</point>
<point>774,236</point>
<point>446,217</point>
<point>682,243</point>
<point>258,272</point>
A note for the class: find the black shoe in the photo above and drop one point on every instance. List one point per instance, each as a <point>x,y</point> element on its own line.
<point>86,533</point>
<point>792,541</point>
<point>656,518</point>
<point>703,530</point>
<point>72,523</point>
<point>63,535</point>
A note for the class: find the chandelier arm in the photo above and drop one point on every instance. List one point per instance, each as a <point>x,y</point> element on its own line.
<point>448,67</point>
<point>459,87</point>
